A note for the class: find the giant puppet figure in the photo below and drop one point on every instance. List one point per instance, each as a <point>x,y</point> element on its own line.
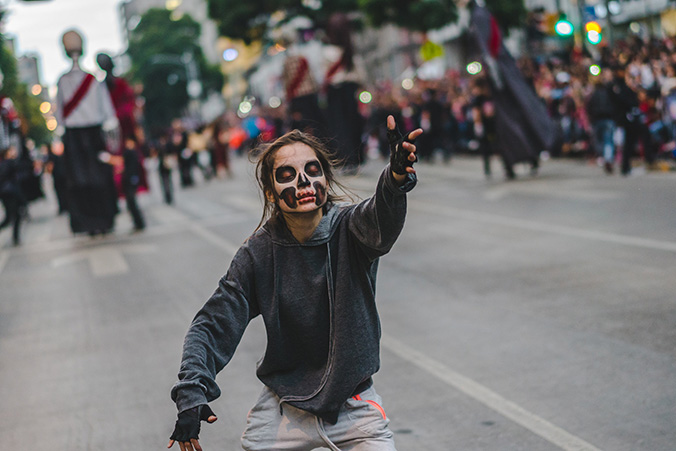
<point>124,102</point>
<point>343,74</point>
<point>523,126</point>
<point>83,107</point>
<point>302,89</point>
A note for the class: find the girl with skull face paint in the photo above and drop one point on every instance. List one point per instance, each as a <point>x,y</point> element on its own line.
<point>309,270</point>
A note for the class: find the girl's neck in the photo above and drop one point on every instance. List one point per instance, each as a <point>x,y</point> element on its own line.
<point>303,225</point>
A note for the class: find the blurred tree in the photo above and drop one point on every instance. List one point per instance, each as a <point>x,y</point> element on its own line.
<point>32,121</point>
<point>249,20</point>
<point>419,15</point>
<point>165,55</point>
<point>508,13</point>
<point>27,105</point>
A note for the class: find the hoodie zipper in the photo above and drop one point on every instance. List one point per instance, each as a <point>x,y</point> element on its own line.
<point>329,364</point>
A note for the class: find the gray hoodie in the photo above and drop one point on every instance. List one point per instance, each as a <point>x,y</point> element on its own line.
<point>317,300</point>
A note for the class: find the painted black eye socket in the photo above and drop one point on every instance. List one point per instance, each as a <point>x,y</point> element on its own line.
<point>314,169</point>
<point>285,174</point>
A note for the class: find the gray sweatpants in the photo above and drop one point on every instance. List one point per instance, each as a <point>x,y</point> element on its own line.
<point>362,426</point>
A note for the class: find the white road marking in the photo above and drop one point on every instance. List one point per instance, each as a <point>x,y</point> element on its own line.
<point>105,260</point>
<point>489,398</point>
<point>490,218</point>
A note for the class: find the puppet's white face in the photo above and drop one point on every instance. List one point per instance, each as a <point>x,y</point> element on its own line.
<point>300,184</point>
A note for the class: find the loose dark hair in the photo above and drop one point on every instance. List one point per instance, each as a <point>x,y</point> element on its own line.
<point>265,164</point>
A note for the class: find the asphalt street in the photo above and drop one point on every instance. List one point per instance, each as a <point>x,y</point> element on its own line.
<point>537,314</point>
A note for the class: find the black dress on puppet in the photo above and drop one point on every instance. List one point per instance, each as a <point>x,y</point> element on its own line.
<point>84,107</point>
<point>92,196</point>
<point>343,74</point>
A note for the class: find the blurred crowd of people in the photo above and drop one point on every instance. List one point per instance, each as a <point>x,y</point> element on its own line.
<point>621,103</point>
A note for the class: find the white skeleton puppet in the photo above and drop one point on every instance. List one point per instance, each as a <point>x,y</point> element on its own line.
<point>300,183</point>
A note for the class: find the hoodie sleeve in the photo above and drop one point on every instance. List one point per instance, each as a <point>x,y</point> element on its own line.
<point>377,222</point>
<point>215,333</point>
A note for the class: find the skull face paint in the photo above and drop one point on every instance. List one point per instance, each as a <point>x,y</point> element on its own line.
<point>300,184</point>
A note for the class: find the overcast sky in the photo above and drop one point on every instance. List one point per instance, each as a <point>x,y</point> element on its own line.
<point>38,27</point>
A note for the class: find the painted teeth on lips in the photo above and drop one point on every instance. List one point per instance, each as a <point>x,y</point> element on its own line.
<point>305,197</point>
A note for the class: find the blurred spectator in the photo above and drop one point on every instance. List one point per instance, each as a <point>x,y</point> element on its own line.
<point>601,111</point>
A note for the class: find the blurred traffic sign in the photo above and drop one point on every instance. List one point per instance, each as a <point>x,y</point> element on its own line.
<point>430,50</point>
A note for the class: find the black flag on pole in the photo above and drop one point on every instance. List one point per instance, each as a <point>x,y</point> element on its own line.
<point>524,127</point>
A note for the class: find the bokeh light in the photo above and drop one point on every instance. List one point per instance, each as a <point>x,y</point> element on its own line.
<point>407,84</point>
<point>45,107</point>
<point>245,107</point>
<point>230,54</point>
<point>365,97</point>
<point>274,102</point>
<point>594,69</point>
<point>172,4</point>
<point>474,68</point>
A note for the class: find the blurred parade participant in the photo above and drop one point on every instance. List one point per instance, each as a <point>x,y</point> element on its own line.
<point>299,82</point>
<point>628,114</point>
<point>432,119</point>
<point>131,179</point>
<point>84,107</point>
<point>10,193</point>
<point>198,142</point>
<point>177,144</point>
<point>165,163</point>
<point>485,130</point>
<point>342,78</point>
<point>57,167</point>
<point>219,145</point>
<point>523,126</point>
<point>29,170</point>
<point>601,110</point>
<point>309,270</point>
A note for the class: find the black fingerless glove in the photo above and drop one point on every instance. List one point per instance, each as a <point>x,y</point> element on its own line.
<point>188,423</point>
<point>398,155</point>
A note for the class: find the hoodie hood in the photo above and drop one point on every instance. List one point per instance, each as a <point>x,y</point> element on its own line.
<point>281,234</point>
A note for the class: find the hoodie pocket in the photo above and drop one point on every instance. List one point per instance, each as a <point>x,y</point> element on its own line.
<point>367,413</point>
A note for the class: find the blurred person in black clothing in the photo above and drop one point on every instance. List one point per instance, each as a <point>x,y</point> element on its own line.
<point>57,167</point>
<point>601,111</point>
<point>483,115</point>
<point>629,116</point>
<point>131,178</point>
<point>432,120</point>
<point>165,163</point>
<point>178,145</point>
<point>10,193</point>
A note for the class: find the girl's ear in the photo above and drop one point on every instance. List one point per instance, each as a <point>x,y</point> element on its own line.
<point>270,196</point>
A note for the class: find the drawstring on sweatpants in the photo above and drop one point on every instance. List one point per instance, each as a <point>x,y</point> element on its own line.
<point>322,433</point>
